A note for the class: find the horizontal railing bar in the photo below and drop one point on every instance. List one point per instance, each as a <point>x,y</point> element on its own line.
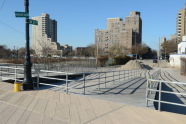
<point>167,92</point>
<point>8,73</point>
<point>55,85</point>
<point>54,78</point>
<point>173,82</point>
<point>5,67</point>
<point>167,102</point>
<point>52,85</point>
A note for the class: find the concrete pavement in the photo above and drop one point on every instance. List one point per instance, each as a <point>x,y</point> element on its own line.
<point>50,107</point>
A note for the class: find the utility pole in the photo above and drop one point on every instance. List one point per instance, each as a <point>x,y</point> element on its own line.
<point>97,51</point>
<point>28,82</point>
<point>159,53</point>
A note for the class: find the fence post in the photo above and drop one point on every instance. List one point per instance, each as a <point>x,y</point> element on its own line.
<point>159,100</point>
<point>119,75</point>
<point>113,77</point>
<point>105,79</point>
<point>123,74</point>
<point>127,74</point>
<point>1,74</point>
<point>15,75</point>
<point>84,83</point>
<point>135,73</point>
<point>99,82</point>
<point>38,78</point>
<point>66,83</point>
<point>147,88</point>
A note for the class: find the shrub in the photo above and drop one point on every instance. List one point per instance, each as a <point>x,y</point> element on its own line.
<point>120,60</point>
<point>102,60</point>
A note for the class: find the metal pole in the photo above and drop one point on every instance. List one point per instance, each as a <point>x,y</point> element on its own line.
<point>27,83</point>
<point>99,82</point>
<point>1,74</point>
<point>147,92</point>
<point>123,74</point>
<point>159,100</point>
<point>15,75</point>
<point>84,83</point>
<point>105,79</point>
<point>127,74</point>
<point>66,83</point>
<point>113,77</point>
<point>119,76</point>
<point>37,78</point>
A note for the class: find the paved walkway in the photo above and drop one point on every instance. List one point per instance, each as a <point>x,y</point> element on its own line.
<point>49,107</point>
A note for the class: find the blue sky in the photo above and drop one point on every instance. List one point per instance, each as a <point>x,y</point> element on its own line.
<point>78,19</point>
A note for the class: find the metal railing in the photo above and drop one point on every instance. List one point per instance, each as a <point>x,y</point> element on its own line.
<point>155,86</point>
<point>67,83</point>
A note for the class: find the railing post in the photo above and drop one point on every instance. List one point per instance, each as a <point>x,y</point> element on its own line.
<point>105,79</point>
<point>113,77</point>
<point>123,74</point>
<point>135,73</point>
<point>15,75</point>
<point>84,83</point>
<point>1,74</point>
<point>99,82</point>
<point>147,88</point>
<point>119,75</point>
<point>66,83</point>
<point>127,74</point>
<point>37,78</point>
<point>159,100</point>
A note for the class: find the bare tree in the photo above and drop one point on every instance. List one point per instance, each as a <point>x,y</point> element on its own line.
<point>21,52</point>
<point>168,47</point>
<point>90,50</point>
<point>117,50</point>
<point>140,49</point>
<point>43,48</point>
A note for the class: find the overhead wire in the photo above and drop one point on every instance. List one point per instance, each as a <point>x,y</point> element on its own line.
<point>2,5</point>
<point>5,24</point>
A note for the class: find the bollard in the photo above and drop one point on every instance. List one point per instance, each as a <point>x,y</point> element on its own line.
<point>17,87</point>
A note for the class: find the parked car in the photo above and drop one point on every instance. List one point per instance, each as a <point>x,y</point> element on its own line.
<point>155,60</point>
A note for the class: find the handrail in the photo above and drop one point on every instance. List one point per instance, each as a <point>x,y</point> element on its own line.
<point>100,77</point>
<point>159,90</point>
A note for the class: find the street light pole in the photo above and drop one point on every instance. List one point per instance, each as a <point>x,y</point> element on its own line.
<point>27,83</point>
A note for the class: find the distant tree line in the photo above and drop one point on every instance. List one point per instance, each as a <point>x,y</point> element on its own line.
<point>12,53</point>
<point>5,52</point>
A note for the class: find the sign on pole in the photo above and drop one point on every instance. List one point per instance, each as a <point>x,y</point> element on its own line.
<point>21,14</point>
<point>33,22</point>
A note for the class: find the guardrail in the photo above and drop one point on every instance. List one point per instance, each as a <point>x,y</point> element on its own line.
<point>17,74</point>
<point>155,86</point>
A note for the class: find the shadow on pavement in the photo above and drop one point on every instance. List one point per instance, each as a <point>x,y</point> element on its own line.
<point>169,98</point>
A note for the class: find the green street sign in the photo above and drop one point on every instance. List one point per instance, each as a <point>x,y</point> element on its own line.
<point>33,22</point>
<point>21,14</point>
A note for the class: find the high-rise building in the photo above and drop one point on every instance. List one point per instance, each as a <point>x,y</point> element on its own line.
<point>181,24</point>
<point>44,35</point>
<point>124,33</point>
